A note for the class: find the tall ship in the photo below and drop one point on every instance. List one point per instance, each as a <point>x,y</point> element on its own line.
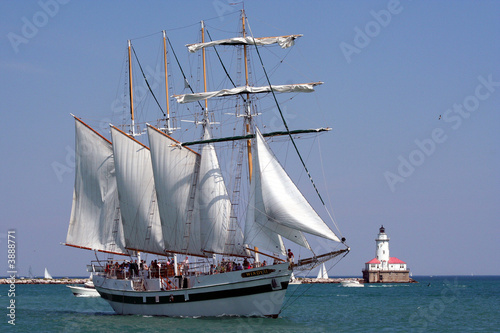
<point>215,211</point>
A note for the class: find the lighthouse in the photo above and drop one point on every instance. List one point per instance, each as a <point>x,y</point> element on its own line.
<point>382,251</point>
<point>384,268</point>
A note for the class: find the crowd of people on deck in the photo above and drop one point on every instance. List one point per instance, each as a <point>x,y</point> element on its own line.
<point>133,268</point>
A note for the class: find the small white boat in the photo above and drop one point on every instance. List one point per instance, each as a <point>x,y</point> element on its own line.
<point>88,289</point>
<point>84,291</point>
<point>351,283</point>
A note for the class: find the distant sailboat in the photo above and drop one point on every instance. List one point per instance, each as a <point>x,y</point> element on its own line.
<point>47,275</point>
<point>30,274</point>
<point>322,274</point>
<point>294,280</point>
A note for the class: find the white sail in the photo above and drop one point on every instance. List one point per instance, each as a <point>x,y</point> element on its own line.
<point>213,205</point>
<point>323,273</point>
<point>283,41</point>
<point>175,170</point>
<point>257,234</point>
<point>284,205</point>
<point>286,88</point>
<point>95,222</point>
<point>136,191</point>
<point>46,274</point>
<point>261,227</point>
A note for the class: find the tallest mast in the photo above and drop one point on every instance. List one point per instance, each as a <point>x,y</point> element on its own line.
<point>248,115</point>
<point>247,100</point>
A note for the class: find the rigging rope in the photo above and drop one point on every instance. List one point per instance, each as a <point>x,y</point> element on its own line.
<point>182,71</point>
<point>283,118</point>
<point>147,83</point>
<point>289,301</point>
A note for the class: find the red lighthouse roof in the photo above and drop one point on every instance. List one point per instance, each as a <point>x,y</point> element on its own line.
<point>374,261</point>
<point>394,260</point>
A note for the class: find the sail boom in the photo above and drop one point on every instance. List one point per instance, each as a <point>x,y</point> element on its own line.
<point>228,254</point>
<point>103,251</point>
<point>251,136</point>
<point>283,41</point>
<point>286,88</point>
<point>265,254</point>
<point>167,253</point>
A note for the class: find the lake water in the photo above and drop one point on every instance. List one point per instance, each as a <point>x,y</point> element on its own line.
<point>435,304</point>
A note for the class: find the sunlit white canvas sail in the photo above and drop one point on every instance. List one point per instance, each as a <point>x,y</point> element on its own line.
<point>283,204</point>
<point>175,170</point>
<point>136,189</point>
<point>257,234</point>
<point>323,273</point>
<point>213,204</point>
<point>95,221</point>
<point>46,274</point>
<point>287,88</point>
<point>283,41</point>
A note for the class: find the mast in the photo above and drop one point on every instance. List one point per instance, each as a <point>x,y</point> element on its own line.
<point>247,101</point>
<point>131,93</point>
<point>169,130</point>
<point>205,112</point>
<point>248,116</point>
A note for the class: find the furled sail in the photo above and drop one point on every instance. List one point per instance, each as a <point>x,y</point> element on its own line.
<point>175,170</point>
<point>214,206</point>
<point>95,222</point>
<point>287,88</point>
<point>280,202</point>
<point>137,194</point>
<point>283,41</point>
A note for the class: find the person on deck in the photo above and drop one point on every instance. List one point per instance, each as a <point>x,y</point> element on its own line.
<point>290,256</point>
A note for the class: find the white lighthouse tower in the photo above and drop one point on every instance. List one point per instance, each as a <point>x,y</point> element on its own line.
<point>384,268</point>
<point>382,250</point>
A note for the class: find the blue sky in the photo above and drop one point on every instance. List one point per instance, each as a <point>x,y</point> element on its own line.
<point>391,70</point>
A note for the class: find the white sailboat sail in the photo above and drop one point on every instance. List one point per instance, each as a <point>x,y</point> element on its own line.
<point>279,205</point>
<point>213,205</point>
<point>283,41</point>
<point>95,222</point>
<point>257,234</point>
<point>46,274</point>
<point>323,273</point>
<point>175,170</point>
<point>136,189</point>
<point>261,228</point>
<point>286,88</point>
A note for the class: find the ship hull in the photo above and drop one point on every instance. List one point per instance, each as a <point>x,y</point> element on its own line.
<point>254,292</point>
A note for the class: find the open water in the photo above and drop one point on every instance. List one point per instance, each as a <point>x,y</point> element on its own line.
<point>436,304</point>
